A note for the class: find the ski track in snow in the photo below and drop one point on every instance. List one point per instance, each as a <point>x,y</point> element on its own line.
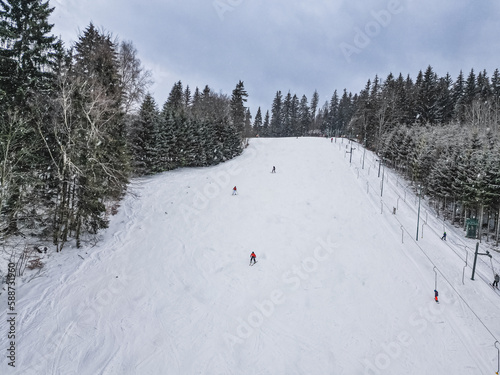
<point>335,291</point>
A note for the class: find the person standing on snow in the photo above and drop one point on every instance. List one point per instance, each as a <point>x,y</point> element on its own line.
<point>234,191</point>
<point>497,278</point>
<point>444,236</point>
<point>274,169</point>
<point>252,258</point>
<point>436,295</point>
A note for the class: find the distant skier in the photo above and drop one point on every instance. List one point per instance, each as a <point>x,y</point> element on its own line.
<point>252,258</point>
<point>444,236</point>
<point>331,140</point>
<point>497,278</point>
<point>436,295</point>
<point>274,169</point>
<point>235,191</point>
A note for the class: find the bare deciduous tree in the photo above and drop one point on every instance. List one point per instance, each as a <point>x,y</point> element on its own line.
<point>135,80</point>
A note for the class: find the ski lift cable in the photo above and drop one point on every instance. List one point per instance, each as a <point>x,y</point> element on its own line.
<point>436,270</point>
<point>459,255</point>
<point>394,189</point>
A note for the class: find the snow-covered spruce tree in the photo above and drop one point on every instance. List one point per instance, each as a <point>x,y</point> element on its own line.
<point>176,101</point>
<point>304,116</point>
<point>492,175</point>
<point>286,116</point>
<point>467,172</point>
<point>28,50</point>
<point>208,143</point>
<point>345,113</point>
<point>165,142</point>
<point>238,109</point>
<point>444,169</point>
<point>444,100</point>
<point>313,109</point>
<point>27,59</point>
<point>470,88</point>
<point>144,135</point>
<point>257,123</point>
<point>103,160</point>
<point>266,125</point>
<point>231,140</point>
<point>248,131</point>
<point>458,98</point>
<point>276,124</point>
<point>333,111</point>
<point>426,88</point>
<point>294,113</point>
<point>323,118</point>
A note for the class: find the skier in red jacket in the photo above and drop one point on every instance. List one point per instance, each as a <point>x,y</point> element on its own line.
<point>252,258</point>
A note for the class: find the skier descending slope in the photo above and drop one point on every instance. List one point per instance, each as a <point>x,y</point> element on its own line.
<point>252,258</point>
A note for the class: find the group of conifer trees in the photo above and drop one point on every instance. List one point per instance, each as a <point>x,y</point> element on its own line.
<point>76,123</point>
<point>196,130</point>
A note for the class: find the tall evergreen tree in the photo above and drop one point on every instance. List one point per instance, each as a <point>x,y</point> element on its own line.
<point>458,97</point>
<point>333,113</point>
<point>28,56</point>
<point>313,108</point>
<point>294,113</point>
<point>238,110</point>
<point>444,101</point>
<point>427,96</point>
<point>176,99</point>
<point>28,52</point>
<point>304,116</point>
<point>286,128</point>
<point>276,124</point>
<point>257,123</point>
<point>483,86</point>
<point>166,141</point>
<point>249,131</point>
<point>103,159</point>
<point>266,125</point>
<point>470,89</point>
<point>145,137</point>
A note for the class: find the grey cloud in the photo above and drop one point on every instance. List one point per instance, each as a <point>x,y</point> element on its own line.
<point>294,45</point>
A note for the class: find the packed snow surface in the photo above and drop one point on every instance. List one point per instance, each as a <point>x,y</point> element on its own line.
<point>341,285</point>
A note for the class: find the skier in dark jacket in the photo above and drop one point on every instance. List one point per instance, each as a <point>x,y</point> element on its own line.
<point>497,278</point>
<point>436,295</point>
<point>252,258</point>
<point>444,236</point>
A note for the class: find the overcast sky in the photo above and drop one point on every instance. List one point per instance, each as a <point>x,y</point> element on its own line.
<point>296,46</point>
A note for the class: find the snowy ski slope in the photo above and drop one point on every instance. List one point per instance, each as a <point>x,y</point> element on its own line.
<point>340,287</point>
